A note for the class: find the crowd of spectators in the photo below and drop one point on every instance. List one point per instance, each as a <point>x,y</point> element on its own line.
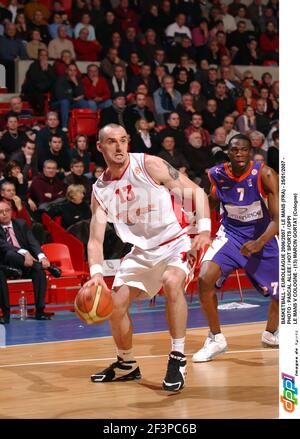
<point>168,73</point>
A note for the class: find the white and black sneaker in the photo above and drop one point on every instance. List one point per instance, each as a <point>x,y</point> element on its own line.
<point>118,371</point>
<point>176,372</point>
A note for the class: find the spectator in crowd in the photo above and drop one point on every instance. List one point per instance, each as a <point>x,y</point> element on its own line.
<point>209,83</point>
<point>228,124</point>
<point>269,43</point>
<point>251,55</point>
<point>27,158</point>
<point>257,141</point>
<point>39,23</point>
<point>247,121</point>
<point>77,177</point>
<point>200,33</point>
<point>227,19</point>
<point>12,140</point>
<point>52,127</point>
<point>241,15</point>
<point>22,27</point>
<point>268,16</point>
<point>133,66</point>
<point>39,79</point>
<point>110,61</point>
<point>79,8</point>
<point>97,13</point>
<point>129,44</point>
<point>237,40</point>
<point>159,59</point>
<point>108,27</point>
<point>199,100</point>
<point>151,19</point>
<point>219,142</point>
<point>144,77</point>
<point>118,82</point>
<point>266,80</point>
<point>235,74</point>
<point>127,16</point>
<point>150,47</point>
<point>255,12</point>
<point>11,47</point>
<point>80,151</point>
<point>273,152</point>
<point>20,249</point>
<point>47,186</point>
<point>32,6</point>
<point>17,110</point>
<point>211,116</point>
<point>57,21</point>
<point>186,110</point>
<point>138,111</point>
<point>173,129</point>
<point>56,152</point>
<point>182,80</point>
<point>225,103</point>
<point>85,23</point>
<point>76,209</point>
<point>68,94</point>
<point>259,157</point>
<point>144,140</point>
<point>114,113</point>
<point>196,127</point>
<point>85,49</point>
<point>173,156</point>
<point>200,159</point>
<point>13,174</point>
<point>166,99</point>
<point>61,64</point>
<point>184,63</point>
<point>177,29</point>
<point>35,44</point>
<point>60,44</point>
<point>98,170</point>
<point>18,206</point>
<point>96,89</point>
<point>244,101</point>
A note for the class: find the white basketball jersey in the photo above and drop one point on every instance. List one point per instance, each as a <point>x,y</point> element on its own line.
<point>141,210</point>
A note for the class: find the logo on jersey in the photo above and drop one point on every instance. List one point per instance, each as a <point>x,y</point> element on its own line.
<point>250,181</point>
<point>137,170</point>
<point>254,171</point>
<point>245,214</point>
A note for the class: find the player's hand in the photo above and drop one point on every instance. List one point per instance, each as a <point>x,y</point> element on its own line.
<point>201,240</point>
<point>251,247</point>
<point>97,279</point>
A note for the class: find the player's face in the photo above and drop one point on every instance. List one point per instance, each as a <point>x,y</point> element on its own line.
<point>239,154</point>
<point>114,146</point>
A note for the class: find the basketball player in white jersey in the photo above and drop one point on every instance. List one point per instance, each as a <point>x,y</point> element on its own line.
<point>134,194</point>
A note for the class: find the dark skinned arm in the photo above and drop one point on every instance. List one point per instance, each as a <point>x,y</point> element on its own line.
<point>270,185</point>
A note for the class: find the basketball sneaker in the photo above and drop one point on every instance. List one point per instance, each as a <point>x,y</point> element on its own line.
<point>214,345</point>
<point>270,340</point>
<point>118,371</point>
<point>176,372</point>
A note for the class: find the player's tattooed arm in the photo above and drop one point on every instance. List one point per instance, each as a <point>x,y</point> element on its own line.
<point>174,174</point>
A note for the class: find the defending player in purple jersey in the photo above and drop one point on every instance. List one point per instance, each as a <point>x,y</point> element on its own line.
<point>246,239</point>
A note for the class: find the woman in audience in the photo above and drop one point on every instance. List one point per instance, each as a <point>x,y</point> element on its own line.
<point>61,65</point>
<point>75,209</point>
<point>35,44</point>
<point>13,174</point>
<point>80,151</point>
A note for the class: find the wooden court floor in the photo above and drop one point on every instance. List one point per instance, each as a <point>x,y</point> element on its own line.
<point>52,380</point>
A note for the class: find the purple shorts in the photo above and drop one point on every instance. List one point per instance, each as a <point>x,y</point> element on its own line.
<point>262,268</point>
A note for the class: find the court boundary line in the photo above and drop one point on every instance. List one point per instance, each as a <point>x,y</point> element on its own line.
<point>110,336</point>
<point>86,360</point>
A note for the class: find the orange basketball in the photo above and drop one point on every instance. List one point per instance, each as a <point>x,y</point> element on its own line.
<point>93,304</point>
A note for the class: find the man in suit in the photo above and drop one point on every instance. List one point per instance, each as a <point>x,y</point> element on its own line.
<point>19,249</point>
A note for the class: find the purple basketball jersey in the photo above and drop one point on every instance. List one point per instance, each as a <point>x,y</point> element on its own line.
<point>244,218</point>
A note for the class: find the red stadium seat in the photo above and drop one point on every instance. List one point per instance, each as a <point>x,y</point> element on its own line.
<point>83,121</point>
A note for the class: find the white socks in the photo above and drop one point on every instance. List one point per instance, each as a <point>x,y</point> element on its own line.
<point>178,344</point>
<point>126,355</point>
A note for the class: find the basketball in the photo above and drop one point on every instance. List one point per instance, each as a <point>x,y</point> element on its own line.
<point>93,304</point>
